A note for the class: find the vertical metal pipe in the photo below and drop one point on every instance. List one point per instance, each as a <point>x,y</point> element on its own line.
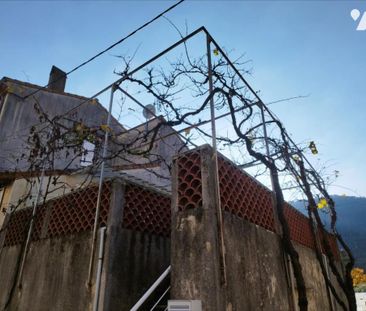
<point>31,225</point>
<point>210,86</point>
<point>100,188</point>
<point>215,160</point>
<point>99,270</point>
<point>286,260</point>
<point>330,295</point>
<point>275,212</point>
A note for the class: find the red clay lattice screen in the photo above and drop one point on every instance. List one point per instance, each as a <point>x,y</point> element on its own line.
<point>17,227</point>
<point>71,213</point>
<point>146,211</point>
<point>299,225</point>
<point>332,243</point>
<point>241,195</point>
<point>76,212</point>
<point>244,197</point>
<point>189,181</point>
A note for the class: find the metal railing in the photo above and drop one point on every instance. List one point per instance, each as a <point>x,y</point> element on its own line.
<point>152,288</point>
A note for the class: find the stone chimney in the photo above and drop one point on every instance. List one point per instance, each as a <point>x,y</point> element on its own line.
<point>57,79</point>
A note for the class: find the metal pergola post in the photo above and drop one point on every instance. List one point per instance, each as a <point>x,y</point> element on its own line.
<point>215,161</point>
<point>31,225</point>
<point>100,187</point>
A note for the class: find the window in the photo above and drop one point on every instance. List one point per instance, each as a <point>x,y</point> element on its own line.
<point>88,153</point>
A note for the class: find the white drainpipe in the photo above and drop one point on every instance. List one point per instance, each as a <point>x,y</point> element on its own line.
<point>99,270</point>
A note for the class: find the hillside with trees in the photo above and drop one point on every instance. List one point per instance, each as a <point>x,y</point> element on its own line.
<point>351,213</point>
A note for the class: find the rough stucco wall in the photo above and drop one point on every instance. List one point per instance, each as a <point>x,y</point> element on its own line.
<point>255,270</point>
<point>56,269</point>
<point>56,272</point>
<point>5,202</point>
<point>256,278</point>
<point>54,276</point>
<point>195,250</point>
<point>195,262</point>
<point>18,115</point>
<point>8,259</point>
<point>133,260</point>
<point>138,261</point>
<point>315,284</point>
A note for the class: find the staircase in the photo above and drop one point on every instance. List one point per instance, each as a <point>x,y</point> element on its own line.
<point>157,296</point>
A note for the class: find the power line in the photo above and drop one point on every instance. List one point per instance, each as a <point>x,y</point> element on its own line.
<point>96,56</point>
<point>113,45</point>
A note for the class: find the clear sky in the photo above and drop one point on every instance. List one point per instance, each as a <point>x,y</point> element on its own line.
<point>297,48</point>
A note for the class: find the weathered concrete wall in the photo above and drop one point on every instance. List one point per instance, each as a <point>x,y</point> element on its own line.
<point>56,272</point>
<point>138,261</point>
<point>315,285</point>
<point>56,269</point>
<point>133,260</point>
<point>55,275</point>
<point>255,272</point>
<point>195,255</point>
<point>256,276</point>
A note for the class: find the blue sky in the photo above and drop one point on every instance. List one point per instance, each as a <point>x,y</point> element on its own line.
<point>297,48</point>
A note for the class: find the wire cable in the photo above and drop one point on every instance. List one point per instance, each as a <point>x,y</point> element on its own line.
<point>96,56</point>
<point>113,45</point>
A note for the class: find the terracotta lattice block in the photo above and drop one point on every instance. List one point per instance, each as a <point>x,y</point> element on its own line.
<point>244,197</point>
<point>299,225</point>
<point>75,212</point>
<point>71,213</point>
<point>189,181</point>
<point>146,211</point>
<point>17,227</point>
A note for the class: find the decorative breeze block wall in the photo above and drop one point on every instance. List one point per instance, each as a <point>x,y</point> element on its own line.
<point>68,214</point>
<point>146,211</point>
<point>241,195</point>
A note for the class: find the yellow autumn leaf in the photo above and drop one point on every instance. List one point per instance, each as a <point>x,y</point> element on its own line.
<point>322,203</point>
<point>358,275</point>
<point>313,148</point>
<point>79,127</point>
<point>105,128</point>
<point>216,52</point>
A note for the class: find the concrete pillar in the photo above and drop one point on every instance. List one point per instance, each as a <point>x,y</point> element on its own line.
<point>195,256</point>
<point>133,259</point>
<point>113,244</point>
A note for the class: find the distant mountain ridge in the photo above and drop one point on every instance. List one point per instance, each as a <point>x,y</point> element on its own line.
<point>351,223</point>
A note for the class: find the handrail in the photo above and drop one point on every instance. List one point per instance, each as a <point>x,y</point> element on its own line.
<point>161,297</point>
<point>151,290</point>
